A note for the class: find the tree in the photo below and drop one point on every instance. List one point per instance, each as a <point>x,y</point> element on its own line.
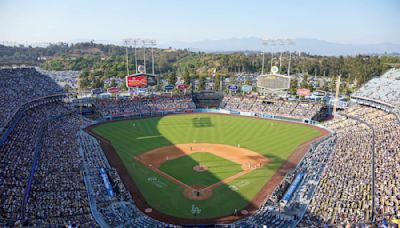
<point>172,78</point>
<point>293,86</point>
<point>217,81</point>
<point>202,83</point>
<point>186,77</point>
<point>98,83</point>
<point>123,87</point>
<point>113,83</point>
<point>84,80</point>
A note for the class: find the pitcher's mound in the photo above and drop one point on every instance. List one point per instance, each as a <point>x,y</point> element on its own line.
<point>198,193</point>
<point>200,168</point>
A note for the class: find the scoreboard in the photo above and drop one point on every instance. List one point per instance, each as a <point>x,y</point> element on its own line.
<point>273,82</point>
<point>140,80</point>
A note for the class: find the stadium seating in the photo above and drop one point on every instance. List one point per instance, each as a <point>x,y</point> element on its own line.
<point>344,194</point>
<point>385,88</point>
<point>119,210</point>
<point>294,109</point>
<point>141,105</point>
<point>49,170</point>
<point>20,85</point>
<point>40,175</point>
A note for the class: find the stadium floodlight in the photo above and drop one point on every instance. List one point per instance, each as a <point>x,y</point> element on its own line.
<point>127,42</point>
<point>262,65</point>
<point>144,43</point>
<point>136,42</point>
<point>276,42</point>
<point>268,42</point>
<point>153,43</point>
<point>290,43</point>
<point>281,43</point>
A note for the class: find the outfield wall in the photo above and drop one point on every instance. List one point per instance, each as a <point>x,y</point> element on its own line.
<point>230,112</point>
<point>203,110</point>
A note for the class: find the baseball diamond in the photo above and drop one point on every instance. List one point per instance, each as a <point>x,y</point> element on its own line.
<point>221,165</point>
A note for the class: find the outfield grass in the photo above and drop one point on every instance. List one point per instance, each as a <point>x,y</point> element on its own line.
<point>275,140</point>
<point>218,169</point>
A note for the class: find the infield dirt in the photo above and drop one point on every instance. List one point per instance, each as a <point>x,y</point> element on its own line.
<point>116,162</point>
<point>249,160</point>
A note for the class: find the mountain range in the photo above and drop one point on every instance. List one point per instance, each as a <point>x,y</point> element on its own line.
<point>254,44</point>
<point>307,45</point>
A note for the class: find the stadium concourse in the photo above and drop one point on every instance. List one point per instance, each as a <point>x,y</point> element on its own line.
<point>52,173</point>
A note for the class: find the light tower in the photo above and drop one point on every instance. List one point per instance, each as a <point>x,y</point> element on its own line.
<point>267,42</point>
<point>127,43</point>
<point>290,43</point>
<point>135,44</point>
<point>281,43</point>
<point>144,42</point>
<point>153,43</point>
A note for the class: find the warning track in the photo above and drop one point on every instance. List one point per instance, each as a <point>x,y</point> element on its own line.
<point>253,205</point>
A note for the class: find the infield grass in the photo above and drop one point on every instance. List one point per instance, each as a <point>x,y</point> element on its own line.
<point>275,140</point>
<point>218,169</point>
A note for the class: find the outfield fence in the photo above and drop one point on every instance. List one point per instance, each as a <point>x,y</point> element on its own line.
<point>204,110</point>
<point>288,178</point>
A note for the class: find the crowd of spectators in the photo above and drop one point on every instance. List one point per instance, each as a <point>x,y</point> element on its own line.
<point>141,105</point>
<point>111,211</point>
<point>41,181</point>
<point>63,78</point>
<point>275,214</point>
<point>337,187</point>
<point>385,88</point>
<point>295,109</point>
<point>58,194</point>
<point>344,194</point>
<point>21,85</point>
<point>49,174</point>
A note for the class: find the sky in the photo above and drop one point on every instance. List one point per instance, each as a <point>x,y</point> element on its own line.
<point>341,21</point>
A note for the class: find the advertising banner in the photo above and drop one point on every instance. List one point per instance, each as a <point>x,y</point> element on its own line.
<point>169,87</point>
<point>113,90</point>
<point>182,87</point>
<point>303,92</point>
<point>136,81</point>
<point>247,88</point>
<point>233,87</point>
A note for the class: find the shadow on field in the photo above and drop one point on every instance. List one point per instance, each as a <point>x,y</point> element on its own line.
<point>154,185</point>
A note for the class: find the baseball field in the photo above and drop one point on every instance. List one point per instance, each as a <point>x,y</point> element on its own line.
<point>204,167</point>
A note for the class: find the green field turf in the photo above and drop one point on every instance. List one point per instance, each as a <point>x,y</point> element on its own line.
<point>275,140</point>
<point>218,169</point>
